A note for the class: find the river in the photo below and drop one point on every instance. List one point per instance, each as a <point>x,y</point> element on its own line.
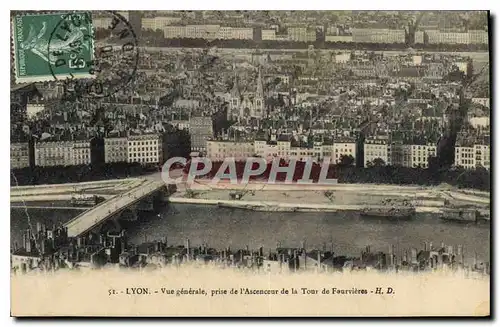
<point>220,228</point>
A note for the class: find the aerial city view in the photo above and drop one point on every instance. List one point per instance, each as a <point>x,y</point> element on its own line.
<point>396,103</point>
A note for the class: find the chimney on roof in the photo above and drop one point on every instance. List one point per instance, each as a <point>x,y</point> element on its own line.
<point>188,249</point>
<point>28,244</point>
<point>122,245</point>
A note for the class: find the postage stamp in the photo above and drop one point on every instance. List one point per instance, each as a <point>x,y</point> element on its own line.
<point>71,48</point>
<point>114,63</point>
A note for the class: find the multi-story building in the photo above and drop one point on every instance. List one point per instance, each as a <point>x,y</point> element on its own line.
<point>311,35</point>
<point>479,122</point>
<point>217,150</point>
<point>343,148</point>
<point>19,155</point>
<point>174,32</point>
<point>59,153</point>
<point>268,35</point>
<point>471,37</point>
<point>370,35</point>
<point>478,37</point>
<point>465,157</point>
<point>285,151</point>
<point>282,148</point>
<point>327,151</point>
<point>145,149</point>
<point>435,70</point>
<point>341,58</point>
<point>482,153</point>
<point>201,129</point>
<point>260,147</point>
<point>284,78</point>
<point>433,36</point>
<point>208,32</point>
<point>81,152</point>
<point>417,60</point>
<point>338,38</point>
<point>438,37</point>
<point>180,124</point>
<point>224,33</point>
<point>461,65</point>
<point>33,108</point>
<point>62,153</point>
<point>401,154</point>
<point>419,155</point>
<point>102,22</point>
<point>241,33</point>
<point>297,34</point>
<point>364,71</point>
<point>473,156</point>
<point>376,148</point>
<point>158,23</point>
<point>19,98</point>
<point>301,34</point>
<point>115,149</point>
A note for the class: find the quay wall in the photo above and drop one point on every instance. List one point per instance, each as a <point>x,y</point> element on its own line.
<point>285,207</point>
<point>68,185</point>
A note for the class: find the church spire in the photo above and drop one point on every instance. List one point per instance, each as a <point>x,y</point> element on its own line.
<point>260,89</point>
<point>235,91</point>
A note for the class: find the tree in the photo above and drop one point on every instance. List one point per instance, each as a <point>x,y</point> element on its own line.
<point>378,162</point>
<point>346,160</point>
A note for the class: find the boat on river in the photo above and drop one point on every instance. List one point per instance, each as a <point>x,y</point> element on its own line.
<point>390,209</point>
<point>460,214</point>
<point>85,200</point>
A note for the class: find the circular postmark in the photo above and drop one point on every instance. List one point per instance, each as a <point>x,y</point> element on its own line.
<point>89,67</point>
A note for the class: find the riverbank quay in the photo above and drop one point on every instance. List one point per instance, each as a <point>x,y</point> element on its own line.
<point>273,206</point>
<point>322,198</point>
<point>64,192</point>
<point>272,197</point>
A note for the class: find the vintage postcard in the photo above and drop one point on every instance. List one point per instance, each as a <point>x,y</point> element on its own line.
<point>250,163</point>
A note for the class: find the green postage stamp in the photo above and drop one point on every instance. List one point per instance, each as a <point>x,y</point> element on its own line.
<point>52,46</point>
